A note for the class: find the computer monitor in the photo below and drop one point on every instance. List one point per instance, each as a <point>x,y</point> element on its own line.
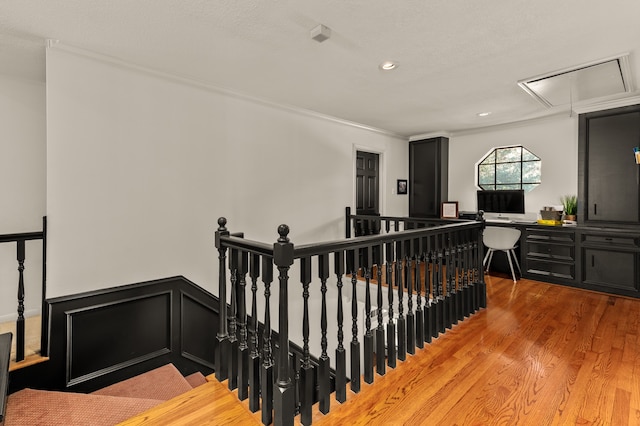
<point>503,201</point>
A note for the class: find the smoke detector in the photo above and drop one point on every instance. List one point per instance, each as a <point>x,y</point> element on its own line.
<point>320,33</point>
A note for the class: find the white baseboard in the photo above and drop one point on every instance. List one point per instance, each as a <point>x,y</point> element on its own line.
<point>14,316</point>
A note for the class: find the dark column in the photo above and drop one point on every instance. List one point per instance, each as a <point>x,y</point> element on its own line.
<point>283,390</point>
<point>223,353</point>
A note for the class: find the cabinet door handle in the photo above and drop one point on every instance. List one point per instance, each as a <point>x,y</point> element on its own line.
<point>595,209</point>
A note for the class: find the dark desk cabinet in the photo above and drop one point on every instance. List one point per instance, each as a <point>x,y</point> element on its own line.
<point>610,262</point>
<point>599,259</point>
<point>550,253</point>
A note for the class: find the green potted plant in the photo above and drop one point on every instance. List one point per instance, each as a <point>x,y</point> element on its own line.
<point>570,206</point>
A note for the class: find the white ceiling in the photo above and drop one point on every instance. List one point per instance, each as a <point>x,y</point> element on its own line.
<point>456,57</point>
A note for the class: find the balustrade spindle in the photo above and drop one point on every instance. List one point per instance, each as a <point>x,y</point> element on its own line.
<point>306,370</point>
<point>266,372</point>
<point>448,280</point>
<point>233,336</point>
<point>368,335</point>
<point>222,338</point>
<point>457,278</point>
<point>419,321</point>
<point>243,346</point>
<point>254,356</point>
<point>324,366</point>
<point>391,327</point>
<point>410,319</point>
<point>353,258</point>
<point>401,322</point>
<point>380,358</point>
<point>341,363</point>
<point>437,283</point>
<point>20,342</point>
<point>428,313</point>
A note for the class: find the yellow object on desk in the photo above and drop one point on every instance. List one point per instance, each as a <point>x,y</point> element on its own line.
<point>549,222</point>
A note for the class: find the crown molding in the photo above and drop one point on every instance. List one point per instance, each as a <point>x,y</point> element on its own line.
<point>57,45</point>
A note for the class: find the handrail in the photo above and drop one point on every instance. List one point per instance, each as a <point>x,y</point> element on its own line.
<point>20,239</point>
<point>439,266</point>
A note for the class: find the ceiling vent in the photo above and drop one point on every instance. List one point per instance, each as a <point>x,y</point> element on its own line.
<point>605,78</point>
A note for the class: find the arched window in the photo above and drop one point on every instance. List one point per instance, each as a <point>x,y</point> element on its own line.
<point>512,167</point>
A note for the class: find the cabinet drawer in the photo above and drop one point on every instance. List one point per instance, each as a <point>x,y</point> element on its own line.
<point>611,240</point>
<point>567,237</point>
<point>544,268</point>
<point>541,250</point>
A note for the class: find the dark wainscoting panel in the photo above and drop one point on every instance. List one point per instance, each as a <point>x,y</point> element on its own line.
<point>199,326</point>
<point>101,337</point>
<point>124,332</point>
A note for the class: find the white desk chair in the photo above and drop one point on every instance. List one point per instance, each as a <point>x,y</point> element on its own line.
<point>498,238</point>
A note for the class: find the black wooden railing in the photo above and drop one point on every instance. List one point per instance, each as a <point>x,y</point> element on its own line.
<point>438,269</point>
<point>20,240</point>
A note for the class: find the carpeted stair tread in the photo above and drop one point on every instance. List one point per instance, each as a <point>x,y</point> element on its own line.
<point>30,407</point>
<point>196,379</point>
<point>163,383</point>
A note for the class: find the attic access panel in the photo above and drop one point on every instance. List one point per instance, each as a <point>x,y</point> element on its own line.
<point>590,81</point>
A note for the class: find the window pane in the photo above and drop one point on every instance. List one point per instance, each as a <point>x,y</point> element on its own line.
<point>508,173</point>
<point>490,159</point>
<point>528,186</point>
<point>508,154</point>
<point>528,155</point>
<point>531,172</point>
<point>488,187</point>
<point>486,174</point>
<point>510,186</point>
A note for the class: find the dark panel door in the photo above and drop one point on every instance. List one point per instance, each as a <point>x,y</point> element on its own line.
<point>428,176</point>
<point>611,174</point>
<point>367,183</point>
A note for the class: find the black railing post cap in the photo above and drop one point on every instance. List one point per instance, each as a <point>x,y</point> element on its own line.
<point>222,223</point>
<point>283,231</point>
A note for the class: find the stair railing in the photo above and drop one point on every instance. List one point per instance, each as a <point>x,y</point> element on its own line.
<point>438,270</point>
<point>20,239</point>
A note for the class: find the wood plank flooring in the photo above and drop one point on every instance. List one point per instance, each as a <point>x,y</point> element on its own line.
<point>539,354</point>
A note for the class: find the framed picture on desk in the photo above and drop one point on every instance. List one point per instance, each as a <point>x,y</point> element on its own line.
<point>449,210</point>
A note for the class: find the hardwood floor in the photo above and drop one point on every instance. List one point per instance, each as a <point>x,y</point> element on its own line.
<point>539,354</point>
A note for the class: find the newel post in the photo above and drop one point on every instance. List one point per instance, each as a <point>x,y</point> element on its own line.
<point>222,354</point>
<point>283,390</point>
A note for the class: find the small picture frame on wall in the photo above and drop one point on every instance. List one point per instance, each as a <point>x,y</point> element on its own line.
<point>449,210</point>
<point>402,186</point>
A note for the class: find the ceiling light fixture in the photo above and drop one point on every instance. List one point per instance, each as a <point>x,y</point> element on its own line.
<point>484,114</point>
<point>388,65</point>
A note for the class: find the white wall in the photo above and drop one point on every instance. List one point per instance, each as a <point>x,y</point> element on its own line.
<point>554,140</point>
<point>22,187</point>
<point>141,166</point>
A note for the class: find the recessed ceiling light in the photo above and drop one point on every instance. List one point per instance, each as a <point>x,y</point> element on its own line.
<point>388,65</point>
<point>484,114</point>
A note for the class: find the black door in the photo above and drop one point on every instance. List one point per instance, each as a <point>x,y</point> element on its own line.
<point>367,192</point>
<point>367,181</point>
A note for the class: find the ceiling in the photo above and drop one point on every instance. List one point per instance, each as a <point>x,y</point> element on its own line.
<point>456,58</point>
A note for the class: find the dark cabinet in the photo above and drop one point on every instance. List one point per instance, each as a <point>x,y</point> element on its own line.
<point>428,176</point>
<point>610,262</point>
<point>550,253</point>
<point>609,178</point>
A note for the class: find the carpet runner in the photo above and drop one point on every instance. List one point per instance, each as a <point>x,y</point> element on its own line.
<point>107,406</point>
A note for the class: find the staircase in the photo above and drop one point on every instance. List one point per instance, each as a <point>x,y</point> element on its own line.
<point>160,388</point>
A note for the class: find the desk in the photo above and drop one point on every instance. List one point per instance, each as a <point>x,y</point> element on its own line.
<point>600,259</point>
